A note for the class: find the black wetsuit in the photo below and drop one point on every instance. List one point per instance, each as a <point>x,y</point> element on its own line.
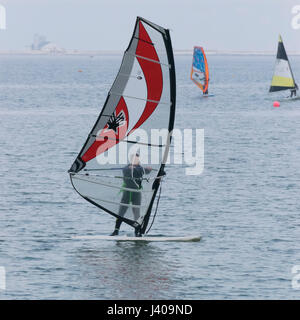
<point>132,177</point>
<point>205,92</point>
<point>294,91</point>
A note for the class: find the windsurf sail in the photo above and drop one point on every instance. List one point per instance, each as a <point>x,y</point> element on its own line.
<point>283,78</point>
<point>199,72</point>
<point>142,96</point>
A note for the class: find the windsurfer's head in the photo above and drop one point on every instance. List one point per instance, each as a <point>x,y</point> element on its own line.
<point>135,159</point>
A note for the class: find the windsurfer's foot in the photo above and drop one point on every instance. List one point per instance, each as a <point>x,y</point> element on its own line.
<point>115,233</point>
<point>137,233</point>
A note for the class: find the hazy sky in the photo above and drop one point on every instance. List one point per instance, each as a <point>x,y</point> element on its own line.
<point>108,24</point>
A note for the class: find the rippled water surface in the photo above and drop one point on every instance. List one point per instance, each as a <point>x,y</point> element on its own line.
<point>245,204</point>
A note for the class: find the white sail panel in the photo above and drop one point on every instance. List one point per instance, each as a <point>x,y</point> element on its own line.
<point>283,76</point>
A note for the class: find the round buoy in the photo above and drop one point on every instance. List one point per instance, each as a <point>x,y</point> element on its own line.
<point>276,104</point>
<point>79,70</point>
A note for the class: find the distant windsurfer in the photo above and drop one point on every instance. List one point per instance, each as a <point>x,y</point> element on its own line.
<point>132,176</point>
<point>205,84</point>
<point>294,91</point>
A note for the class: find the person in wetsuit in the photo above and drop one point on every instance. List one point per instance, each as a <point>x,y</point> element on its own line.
<point>294,91</point>
<point>132,179</point>
<point>205,92</point>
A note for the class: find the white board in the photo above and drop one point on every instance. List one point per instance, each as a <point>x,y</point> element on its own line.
<point>145,238</point>
<point>293,98</point>
<point>208,95</point>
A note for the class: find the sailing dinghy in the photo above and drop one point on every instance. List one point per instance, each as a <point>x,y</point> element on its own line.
<point>199,71</point>
<point>142,96</point>
<point>283,78</point>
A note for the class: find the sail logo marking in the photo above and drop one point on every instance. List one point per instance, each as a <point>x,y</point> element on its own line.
<point>115,129</point>
<point>116,121</point>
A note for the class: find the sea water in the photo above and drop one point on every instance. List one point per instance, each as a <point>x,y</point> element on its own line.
<point>245,204</point>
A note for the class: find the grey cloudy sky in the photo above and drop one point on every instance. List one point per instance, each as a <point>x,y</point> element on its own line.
<point>108,24</point>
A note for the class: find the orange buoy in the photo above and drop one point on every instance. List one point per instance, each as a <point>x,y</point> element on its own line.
<point>276,104</point>
<point>80,70</point>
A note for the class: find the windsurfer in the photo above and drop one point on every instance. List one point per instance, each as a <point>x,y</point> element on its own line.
<point>294,91</point>
<point>205,85</point>
<point>132,179</point>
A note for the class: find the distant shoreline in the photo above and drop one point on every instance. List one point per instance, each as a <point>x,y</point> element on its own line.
<point>118,53</point>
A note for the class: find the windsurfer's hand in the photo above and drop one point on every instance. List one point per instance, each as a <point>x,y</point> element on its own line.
<point>163,173</point>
